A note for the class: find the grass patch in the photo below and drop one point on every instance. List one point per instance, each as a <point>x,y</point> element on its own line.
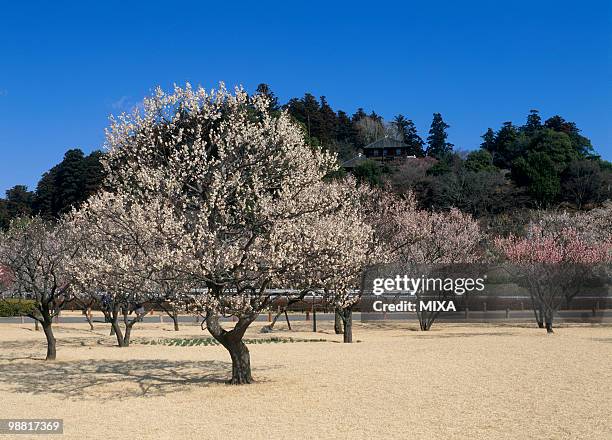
<point>193,342</point>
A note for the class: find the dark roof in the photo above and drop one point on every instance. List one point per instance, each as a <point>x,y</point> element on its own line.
<point>386,142</point>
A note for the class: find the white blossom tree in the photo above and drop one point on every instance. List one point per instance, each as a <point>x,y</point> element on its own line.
<point>37,254</point>
<point>248,190</point>
<point>126,253</point>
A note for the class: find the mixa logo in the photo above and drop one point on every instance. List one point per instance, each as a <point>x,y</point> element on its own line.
<point>409,306</point>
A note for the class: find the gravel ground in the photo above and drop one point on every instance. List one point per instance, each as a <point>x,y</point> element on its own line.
<point>454,382</point>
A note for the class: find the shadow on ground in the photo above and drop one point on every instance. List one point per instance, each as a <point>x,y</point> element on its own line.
<point>38,347</point>
<point>433,335</point>
<point>110,379</point>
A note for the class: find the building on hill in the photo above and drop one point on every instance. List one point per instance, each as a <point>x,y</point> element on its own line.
<point>386,149</point>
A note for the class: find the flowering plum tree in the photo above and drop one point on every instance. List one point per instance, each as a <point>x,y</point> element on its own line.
<point>124,255</point>
<point>552,263</point>
<point>6,279</point>
<point>37,255</point>
<point>410,237</point>
<point>249,193</point>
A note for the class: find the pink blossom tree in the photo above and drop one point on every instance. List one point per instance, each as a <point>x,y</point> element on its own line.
<point>552,263</point>
<point>413,238</point>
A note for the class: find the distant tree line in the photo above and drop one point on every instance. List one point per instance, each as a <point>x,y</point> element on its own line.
<point>67,184</point>
<point>541,164</point>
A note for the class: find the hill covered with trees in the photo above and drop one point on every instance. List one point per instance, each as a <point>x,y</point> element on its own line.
<point>539,164</point>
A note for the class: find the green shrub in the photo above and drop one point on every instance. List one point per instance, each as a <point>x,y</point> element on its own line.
<point>16,307</point>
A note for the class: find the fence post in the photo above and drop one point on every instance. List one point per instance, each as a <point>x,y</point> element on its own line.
<point>161,318</point>
<point>484,307</point>
<point>467,312</point>
<point>507,312</point>
<point>22,320</point>
<point>269,316</point>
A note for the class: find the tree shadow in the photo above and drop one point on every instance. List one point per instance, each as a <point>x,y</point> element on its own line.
<point>110,379</point>
<point>605,340</point>
<point>428,335</point>
<point>38,347</point>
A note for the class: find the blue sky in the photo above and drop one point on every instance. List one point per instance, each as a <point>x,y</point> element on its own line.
<point>64,67</point>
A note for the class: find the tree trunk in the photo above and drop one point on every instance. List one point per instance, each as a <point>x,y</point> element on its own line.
<point>422,320</point>
<point>338,322</point>
<point>126,336</point>
<point>232,341</point>
<point>348,325</point>
<point>116,329</point>
<point>174,317</point>
<point>549,322</point>
<point>541,318</point>
<point>88,318</point>
<point>241,363</point>
<point>51,343</point>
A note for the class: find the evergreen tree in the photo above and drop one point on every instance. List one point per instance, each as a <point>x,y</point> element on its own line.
<point>401,126</point>
<point>19,201</point>
<point>329,123</point>
<point>580,144</point>
<point>413,140</point>
<point>408,135</point>
<point>70,180</point>
<point>438,147</point>
<point>307,112</point>
<point>45,200</point>
<point>68,183</point>
<point>537,171</point>
<point>346,129</point>
<point>534,122</point>
<point>488,141</point>
<point>94,173</point>
<point>479,160</point>
<point>358,115</point>
<point>505,147</point>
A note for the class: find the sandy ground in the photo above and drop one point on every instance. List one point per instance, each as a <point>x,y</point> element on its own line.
<point>454,382</point>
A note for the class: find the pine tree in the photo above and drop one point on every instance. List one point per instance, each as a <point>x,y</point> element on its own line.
<point>329,123</point>
<point>413,140</point>
<point>401,126</point>
<point>437,145</point>
<point>70,180</point>
<point>534,122</point>
<point>346,130</point>
<point>506,148</point>
<point>45,200</point>
<point>19,201</point>
<point>488,141</point>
